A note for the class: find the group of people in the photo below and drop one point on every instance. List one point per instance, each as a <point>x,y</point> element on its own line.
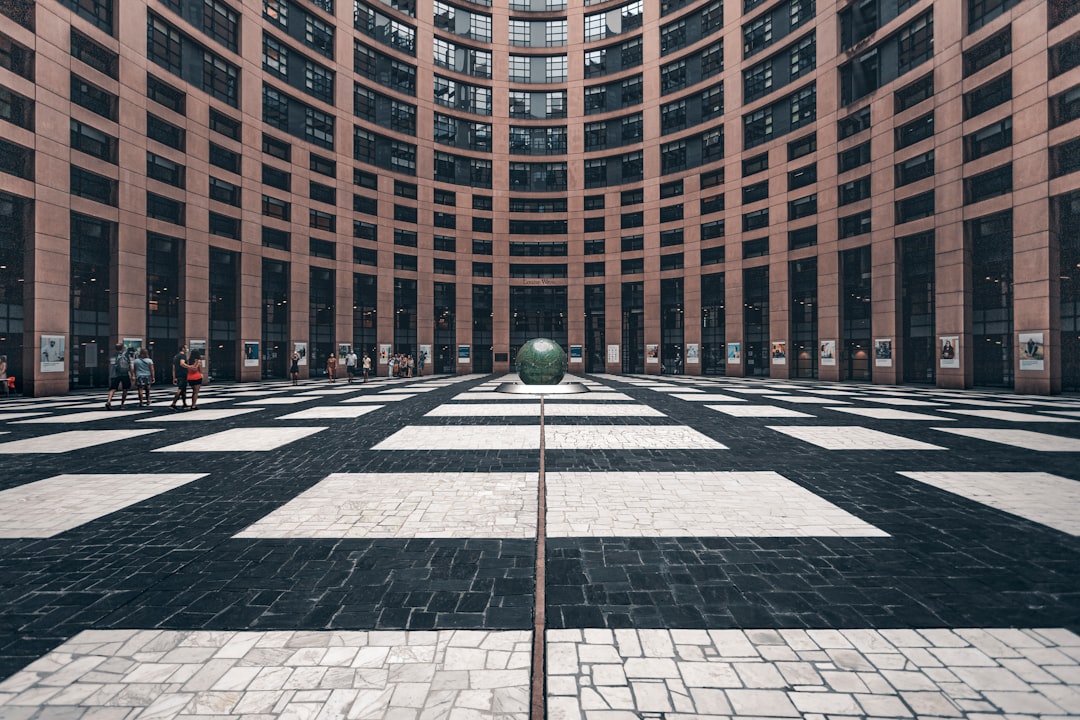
<point>406,366</point>
<point>128,367</point>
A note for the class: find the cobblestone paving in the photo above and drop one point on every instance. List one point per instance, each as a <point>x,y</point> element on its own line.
<point>288,564</point>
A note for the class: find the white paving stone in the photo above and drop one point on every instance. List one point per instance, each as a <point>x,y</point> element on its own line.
<point>757,411</point>
<point>337,412</point>
<point>277,401</point>
<point>81,417</point>
<point>9,416</point>
<point>804,400</point>
<point>695,504</point>
<point>198,415</point>
<point>48,507</point>
<point>889,414</point>
<point>1040,497</point>
<point>551,409</point>
<point>68,441</point>
<point>1008,416</point>
<point>899,401</point>
<point>386,675</point>
<point>730,677</point>
<point>407,505</point>
<point>1026,439</point>
<point>851,437</point>
<point>709,397</point>
<point>380,398</point>
<point>248,439</point>
<point>512,397</point>
<point>463,437</point>
<point>626,437</point>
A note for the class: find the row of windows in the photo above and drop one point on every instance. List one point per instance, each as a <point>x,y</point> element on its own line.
<point>300,25</point>
<point>297,70</point>
<point>180,55</point>
<point>691,28</point>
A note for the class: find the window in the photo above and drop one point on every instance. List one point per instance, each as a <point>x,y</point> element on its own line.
<point>915,208</point>
<point>914,169</point>
<point>988,140</point>
<point>16,109</point>
<point>444,267</point>
<point>854,191</point>
<point>854,123</point>
<point>712,230</point>
<point>755,248</point>
<point>756,192</point>
<point>97,12</point>
<point>802,177</point>
<point>980,12</point>
<point>713,256</point>
<point>165,95</point>
<point>224,125</point>
<point>629,197</point>
<point>911,95</point>
<point>671,213</point>
<point>16,160</point>
<point>224,226</point>
<point>632,220</point>
<point>757,81</point>
<point>852,225</point>
<point>93,142</point>
<point>224,158</point>
<point>673,261</point>
<point>274,238</point>
<point>756,164</point>
<point>1065,56</point>
<point>915,131</point>
<point>990,95</point>
<point>990,184</point>
<point>165,209</point>
<point>276,178</point>
<point>755,220</point>
<point>673,157</point>
<point>757,127</point>
<point>164,170</point>
<point>404,262</point>
<point>225,192</point>
<point>1065,107</point>
<point>445,220</point>
<point>275,208</point>
<point>672,37</point>
<point>93,98</point>
<point>164,44</point>
<point>673,77</point>
<point>445,243</point>
<point>365,230</point>
<point>165,132</point>
<point>404,213</point>
<point>595,224</point>
<point>482,247</point>
<point>1061,10</point>
<point>594,202</point>
<point>1065,158</point>
<point>82,48</point>
<point>712,204</point>
<point>633,266</point>
<point>803,237</point>
<point>988,52</point>
<point>276,148</point>
<point>365,256</point>
<point>322,193</point>
<point>854,157</point>
<point>757,34</point>
<point>404,238</point>
<point>802,147</point>
<point>481,269</point>
<point>322,249</point>
<point>712,102</point>
<point>320,220</point>
<point>916,43</point>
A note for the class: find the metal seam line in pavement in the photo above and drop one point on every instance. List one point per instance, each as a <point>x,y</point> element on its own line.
<point>539,709</point>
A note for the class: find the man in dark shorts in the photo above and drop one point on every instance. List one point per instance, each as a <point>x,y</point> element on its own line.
<point>121,375</point>
<point>179,378</point>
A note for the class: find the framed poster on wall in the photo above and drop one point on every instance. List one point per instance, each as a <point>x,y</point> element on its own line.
<point>779,352</point>
<point>652,353</point>
<point>828,352</point>
<point>734,353</point>
<point>613,353</point>
<point>251,354</point>
<point>883,352</point>
<point>53,353</point>
<point>300,348</point>
<point>1032,351</point>
<point>949,351</point>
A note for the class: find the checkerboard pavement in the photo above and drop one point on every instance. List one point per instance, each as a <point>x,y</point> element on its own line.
<point>717,547</point>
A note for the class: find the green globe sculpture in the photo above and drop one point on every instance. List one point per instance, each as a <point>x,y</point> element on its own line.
<point>541,361</point>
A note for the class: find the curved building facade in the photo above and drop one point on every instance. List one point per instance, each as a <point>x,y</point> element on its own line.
<point>871,190</point>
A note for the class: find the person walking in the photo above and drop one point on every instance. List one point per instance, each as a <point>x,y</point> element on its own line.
<point>421,361</point>
<point>144,376</point>
<point>121,375</point>
<point>194,376</point>
<point>410,364</point>
<point>350,365</point>
<point>179,377</point>
<point>294,369</point>
<point>331,367</point>
<point>4,375</point>
<point>367,366</point>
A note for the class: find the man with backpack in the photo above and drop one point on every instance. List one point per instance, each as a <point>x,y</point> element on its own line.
<point>121,374</point>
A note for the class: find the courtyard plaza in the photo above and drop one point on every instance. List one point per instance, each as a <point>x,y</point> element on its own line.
<point>430,548</point>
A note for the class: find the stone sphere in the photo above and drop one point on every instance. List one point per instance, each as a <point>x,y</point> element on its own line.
<point>541,361</point>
